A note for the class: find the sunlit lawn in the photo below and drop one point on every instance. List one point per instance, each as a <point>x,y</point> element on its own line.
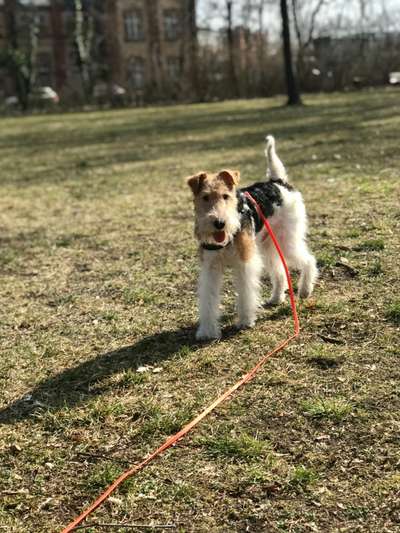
<point>98,267</point>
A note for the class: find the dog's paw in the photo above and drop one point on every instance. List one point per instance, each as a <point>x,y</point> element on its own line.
<point>305,292</point>
<point>208,333</point>
<point>246,323</point>
<point>275,300</point>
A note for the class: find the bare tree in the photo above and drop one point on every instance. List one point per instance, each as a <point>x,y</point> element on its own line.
<point>305,35</point>
<point>233,79</point>
<point>113,45</point>
<point>262,42</point>
<point>155,47</point>
<point>291,80</point>
<point>59,50</point>
<point>230,43</point>
<point>83,37</point>
<point>21,61</point>
<point>190,49</point>
<point>33,46</point>
<point>251,54</point>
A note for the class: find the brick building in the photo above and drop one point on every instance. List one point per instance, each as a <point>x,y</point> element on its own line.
<point>356,59</point>
<point>151,45</point>
<point>145,46</point>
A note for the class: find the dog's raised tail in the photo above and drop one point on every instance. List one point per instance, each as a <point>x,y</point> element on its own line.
<point>275,167</point>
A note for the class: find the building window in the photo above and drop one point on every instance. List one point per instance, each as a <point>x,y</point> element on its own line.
<point>43,22</point>
<point>171,24</point>
<point>44,69</point>
<point>133,22</point>
<point>33,21</point>
<point>173,68</point>
<point>23,22</point>
<point>136,73</point>
<point>68,22</point>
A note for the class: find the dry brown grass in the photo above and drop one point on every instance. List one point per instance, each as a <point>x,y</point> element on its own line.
<point>98,268</point>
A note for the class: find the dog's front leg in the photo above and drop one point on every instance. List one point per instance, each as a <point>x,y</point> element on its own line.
<point>248,271</point>
<point>209,291</point>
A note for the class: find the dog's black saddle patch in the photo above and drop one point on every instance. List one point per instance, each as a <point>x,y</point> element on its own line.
<point>266,194</point>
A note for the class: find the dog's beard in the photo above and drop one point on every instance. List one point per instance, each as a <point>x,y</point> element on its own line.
<point>206,232</point>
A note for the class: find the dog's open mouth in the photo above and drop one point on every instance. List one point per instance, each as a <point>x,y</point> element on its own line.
<point>219,236</point>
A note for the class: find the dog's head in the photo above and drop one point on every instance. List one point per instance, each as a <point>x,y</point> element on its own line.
<point>215,203</point>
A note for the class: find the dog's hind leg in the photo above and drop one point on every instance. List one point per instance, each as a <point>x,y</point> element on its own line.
<point>209,290</point>
<point>309,274</point>
<point>300,258</point>
<point>277,276</point>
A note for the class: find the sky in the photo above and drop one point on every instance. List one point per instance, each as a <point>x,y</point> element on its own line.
<point>347,12</point>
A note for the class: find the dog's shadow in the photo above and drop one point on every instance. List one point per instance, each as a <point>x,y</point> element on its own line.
<point>79,384</point>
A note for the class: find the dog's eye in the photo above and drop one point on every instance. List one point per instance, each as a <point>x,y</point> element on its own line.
<point>206,197</point>
<point>225,196</point>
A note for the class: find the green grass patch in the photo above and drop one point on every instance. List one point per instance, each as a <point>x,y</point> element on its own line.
<point>242,447</point>
<point>103,475</point>
<point>375,269</point>
<point>353,233</point>
<point>372,245</point>
<point>174,490</point>
<point>387,484</point>
<point>101,410</point>
<point>166,423</point>
<point>303,477</point>
<point>8,256</point>
<point>393,312</point>
<point>140,296</point>
<point>324,356</point>
<point>321,408</point>
<point>131,378</point>
<point>326,259</point>
<point>260,472</point>
<point>357,512</point>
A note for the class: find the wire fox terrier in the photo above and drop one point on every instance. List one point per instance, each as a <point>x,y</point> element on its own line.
<point>231,233</point>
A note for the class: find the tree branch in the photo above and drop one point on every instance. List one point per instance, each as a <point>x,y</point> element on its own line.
<point>296,24</point>
<point>314,15</point>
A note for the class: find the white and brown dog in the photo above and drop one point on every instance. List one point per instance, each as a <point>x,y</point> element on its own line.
<point>231,233</point>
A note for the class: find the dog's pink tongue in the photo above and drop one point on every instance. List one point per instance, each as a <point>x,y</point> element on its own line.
<point>219,236</point>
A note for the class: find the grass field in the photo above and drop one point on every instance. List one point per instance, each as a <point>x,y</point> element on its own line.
<point>98,278</point>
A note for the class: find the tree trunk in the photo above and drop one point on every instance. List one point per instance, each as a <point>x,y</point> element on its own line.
<point>156,74</point>
<point>10,8</point>
<point>291,81</point>
<point>84,33</point>
<point>190,49</point>
<point>16,59</point>
<point>33,48</point>
<point>59,44</point>
<point>114,55</point>
<point>261,51</point>
<point>234,84</point>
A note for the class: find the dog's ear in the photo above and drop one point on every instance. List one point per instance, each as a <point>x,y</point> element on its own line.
<point>230,177</point>
<point>196,182</point>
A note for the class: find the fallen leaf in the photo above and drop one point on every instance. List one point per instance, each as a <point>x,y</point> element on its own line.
<point>143,368</point>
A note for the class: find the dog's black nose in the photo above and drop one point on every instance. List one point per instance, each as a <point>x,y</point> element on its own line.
<point>219,224</point>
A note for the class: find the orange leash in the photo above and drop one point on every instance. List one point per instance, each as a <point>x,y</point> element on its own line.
<point>185,430</point>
